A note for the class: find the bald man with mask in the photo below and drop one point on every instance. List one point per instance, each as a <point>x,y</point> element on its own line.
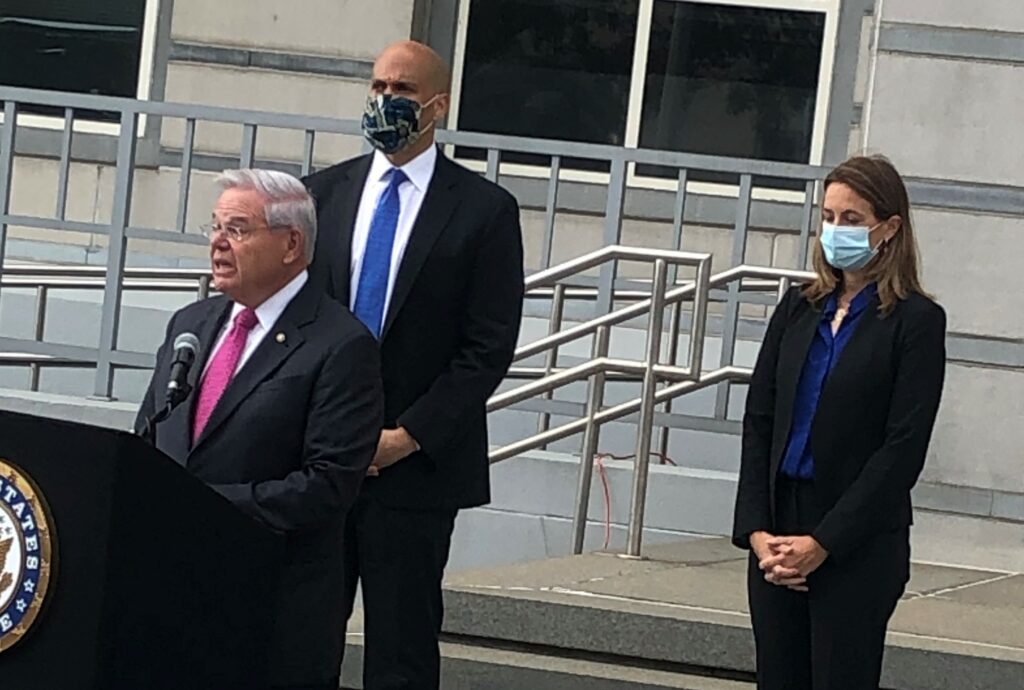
<point>429,256</point>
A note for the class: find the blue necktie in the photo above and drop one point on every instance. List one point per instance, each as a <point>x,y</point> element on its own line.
<point>373,278</point>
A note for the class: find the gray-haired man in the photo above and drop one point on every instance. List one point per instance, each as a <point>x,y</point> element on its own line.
<point>286,409</point>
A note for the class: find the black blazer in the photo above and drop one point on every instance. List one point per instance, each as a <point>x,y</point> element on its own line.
<point>288,444</point>
<point>451,328</point>
<point>871,428</point>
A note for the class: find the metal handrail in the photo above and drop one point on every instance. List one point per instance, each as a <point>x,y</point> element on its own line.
<point>650,372</point>
<point>542,381</point>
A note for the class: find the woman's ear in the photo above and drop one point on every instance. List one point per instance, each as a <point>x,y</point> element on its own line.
<point>892,226</point>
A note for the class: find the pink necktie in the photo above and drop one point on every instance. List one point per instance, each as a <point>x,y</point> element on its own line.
<point>222,369</point>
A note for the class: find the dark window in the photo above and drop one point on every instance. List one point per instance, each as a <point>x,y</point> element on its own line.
<point>552,69</point>
<point>731,81</point>
<point>84,46</point>
<point>723,80</point>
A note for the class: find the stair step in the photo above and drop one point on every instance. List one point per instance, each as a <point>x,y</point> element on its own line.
<point>685,607</point>
<point>475,667</point>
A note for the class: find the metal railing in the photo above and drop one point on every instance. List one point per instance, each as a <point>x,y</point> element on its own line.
<point>662,379</point>
<point>655,369</point>
<point>630,182</point>
<point>556,184</point>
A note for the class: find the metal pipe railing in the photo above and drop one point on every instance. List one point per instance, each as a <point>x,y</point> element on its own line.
<point>649,372</point>
<point>591,438</point>
<point>551,283</point>
<point>638,500</point>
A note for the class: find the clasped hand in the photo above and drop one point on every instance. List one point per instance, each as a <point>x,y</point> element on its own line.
<point>787,561</point>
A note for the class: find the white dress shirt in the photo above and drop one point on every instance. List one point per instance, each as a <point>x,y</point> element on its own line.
<point>267,315</point>
<point>420,170</point>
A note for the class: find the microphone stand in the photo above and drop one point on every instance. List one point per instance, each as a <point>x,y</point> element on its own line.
<point>175,396</point>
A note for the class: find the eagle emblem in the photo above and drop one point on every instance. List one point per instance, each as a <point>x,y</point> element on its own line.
<point>26,554</point>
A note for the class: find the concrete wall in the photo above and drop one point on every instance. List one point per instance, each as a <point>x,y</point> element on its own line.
<point>945,100</point>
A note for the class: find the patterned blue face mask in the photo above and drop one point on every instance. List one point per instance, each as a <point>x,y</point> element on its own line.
<point>847,248</point>
<point>392,123</point>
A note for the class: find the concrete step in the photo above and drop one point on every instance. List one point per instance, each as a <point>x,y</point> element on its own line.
<point>957,628</point>
<point>468,666</point>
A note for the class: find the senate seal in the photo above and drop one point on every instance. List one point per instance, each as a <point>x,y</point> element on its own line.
<point>26,554</point>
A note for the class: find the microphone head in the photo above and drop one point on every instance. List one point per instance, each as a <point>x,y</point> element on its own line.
<point>188,341</point>
<point>186,347</point>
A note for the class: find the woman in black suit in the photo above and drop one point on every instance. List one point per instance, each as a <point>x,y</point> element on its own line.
<point>839,414</point>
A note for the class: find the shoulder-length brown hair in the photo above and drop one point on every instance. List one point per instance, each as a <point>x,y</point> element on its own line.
<point>896,269</point>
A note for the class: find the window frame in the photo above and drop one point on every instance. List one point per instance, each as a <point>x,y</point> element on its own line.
<point>831,10</point>
<point>143,87</point>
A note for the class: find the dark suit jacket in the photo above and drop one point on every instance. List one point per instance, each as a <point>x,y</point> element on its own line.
<point>288,444</point>
<point>451,327</point>
<point>871,429</point>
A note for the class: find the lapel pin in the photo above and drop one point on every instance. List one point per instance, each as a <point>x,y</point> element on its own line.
<point>281,337</point>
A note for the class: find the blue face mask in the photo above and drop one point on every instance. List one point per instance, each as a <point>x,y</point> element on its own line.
<point>847,248</point>
<point>392,123</point>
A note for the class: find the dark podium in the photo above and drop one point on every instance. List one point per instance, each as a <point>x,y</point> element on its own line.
<point>158,581</point>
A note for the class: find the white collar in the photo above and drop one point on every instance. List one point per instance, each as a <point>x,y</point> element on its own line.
<point>419,170</point>
<point>270,311</point>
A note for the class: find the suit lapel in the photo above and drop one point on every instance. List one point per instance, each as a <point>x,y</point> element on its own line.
<point>862,336</point>
<point>792,356</point>
<point>271,353</point>
<point>438,205</point>
<point>341,210</point>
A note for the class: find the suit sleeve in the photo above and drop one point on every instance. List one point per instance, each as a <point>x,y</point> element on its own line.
<point>150,402</point>
<point>753,506</point>
<point>342,428</point>
<point>490,329</point>
<point>893,469</point>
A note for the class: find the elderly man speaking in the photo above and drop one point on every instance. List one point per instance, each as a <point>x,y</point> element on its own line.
<point>286,410</point>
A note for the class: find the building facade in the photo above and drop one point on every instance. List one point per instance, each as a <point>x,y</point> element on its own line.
<point>936,85</point>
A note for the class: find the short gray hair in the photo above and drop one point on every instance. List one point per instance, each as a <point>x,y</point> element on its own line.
<point>288,203</point>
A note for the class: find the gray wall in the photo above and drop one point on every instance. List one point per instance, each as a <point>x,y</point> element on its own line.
<point>944,99</point>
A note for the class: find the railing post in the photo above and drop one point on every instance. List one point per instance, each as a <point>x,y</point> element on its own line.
<point>784,284</point>
<point>675,320</point>
<point>117,245</point>
<point>554,326</point>
<point>550,210</point>
<point>64,167</point>
<point>645,424</point>
<point>732,309</point>
<point>612,235</point>
<point>204,288</point>
<point>40,328</point>
<point>7,132</point>
<point>185,181</point>
<point>591,437</point>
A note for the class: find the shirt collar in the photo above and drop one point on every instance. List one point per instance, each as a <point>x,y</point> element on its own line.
<point>858,304</point>
<point>419,170</point>
<point>270,311</point>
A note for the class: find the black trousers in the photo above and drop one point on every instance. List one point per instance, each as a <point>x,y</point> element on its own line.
<point>399,557</point>
<point>831,637</point>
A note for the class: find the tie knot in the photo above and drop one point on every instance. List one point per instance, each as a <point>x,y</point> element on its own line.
<point>396,177</point>
<point>246,320</point>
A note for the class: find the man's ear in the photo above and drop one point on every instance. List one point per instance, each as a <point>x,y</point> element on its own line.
<point>296,246</point>
<point>441,107</point>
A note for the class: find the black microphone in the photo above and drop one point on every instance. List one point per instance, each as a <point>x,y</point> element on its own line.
<point>186,347</point>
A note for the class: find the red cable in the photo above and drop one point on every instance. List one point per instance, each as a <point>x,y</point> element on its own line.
<point>602,472</point>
